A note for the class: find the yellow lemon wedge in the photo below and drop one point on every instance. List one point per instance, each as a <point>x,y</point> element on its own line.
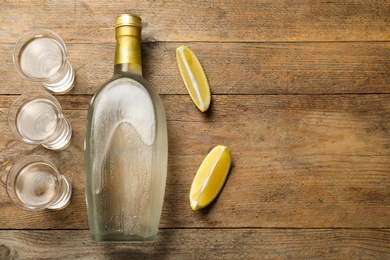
<point>194,77</point>
<point>210,177</point>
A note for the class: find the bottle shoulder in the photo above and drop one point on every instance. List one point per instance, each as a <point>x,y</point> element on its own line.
<point>113,81</point>
<point>123,93</point>
<point>126,79</point>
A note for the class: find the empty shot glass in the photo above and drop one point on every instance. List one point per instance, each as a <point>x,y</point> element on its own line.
<point>36,117</point>
<point>41,55</point>
<point>35,183</point>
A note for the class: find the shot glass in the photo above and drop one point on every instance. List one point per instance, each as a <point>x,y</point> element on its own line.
<point>41,55</point>
<point>36,117</point>
<point>35,183</point>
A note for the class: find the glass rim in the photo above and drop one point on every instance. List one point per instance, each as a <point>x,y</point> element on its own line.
<point>19,103</point>
<point>27,38</point>
<point>17,168</point>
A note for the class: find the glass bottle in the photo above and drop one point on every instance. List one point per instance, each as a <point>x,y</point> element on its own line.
<point>126,147</point>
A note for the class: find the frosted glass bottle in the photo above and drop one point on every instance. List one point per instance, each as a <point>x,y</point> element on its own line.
<point>126,147</point>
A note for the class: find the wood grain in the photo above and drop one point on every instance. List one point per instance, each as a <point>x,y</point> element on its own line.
<point>300,95</point>
<point>202,244</point>
<point>234,68</point>
<point>299,161</point>
<point>211,21</point>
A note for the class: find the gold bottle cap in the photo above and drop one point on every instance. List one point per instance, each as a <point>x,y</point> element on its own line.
<point>128,19</point>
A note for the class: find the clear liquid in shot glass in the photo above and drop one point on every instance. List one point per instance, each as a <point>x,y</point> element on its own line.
<point>41,58</point>
<point>37,119</point>
<point>36,185</point>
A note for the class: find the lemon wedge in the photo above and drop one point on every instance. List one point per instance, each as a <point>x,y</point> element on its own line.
<point>194,77</point>
<point>210,177</point>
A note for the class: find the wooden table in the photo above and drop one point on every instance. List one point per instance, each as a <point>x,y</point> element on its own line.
<point>300,93</point>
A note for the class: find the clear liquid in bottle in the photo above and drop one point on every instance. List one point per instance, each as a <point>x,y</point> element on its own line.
<point>126,149</point>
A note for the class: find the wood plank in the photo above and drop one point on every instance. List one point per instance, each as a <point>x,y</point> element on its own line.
<point>300,161</point>
<point>202,244</point>
<point>234,68</point>
<point>221,21</point>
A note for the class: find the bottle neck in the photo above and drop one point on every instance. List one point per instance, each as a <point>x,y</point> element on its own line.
<point>128,50</point>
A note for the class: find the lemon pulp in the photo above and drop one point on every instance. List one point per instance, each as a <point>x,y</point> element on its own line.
<point>194,77</point>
